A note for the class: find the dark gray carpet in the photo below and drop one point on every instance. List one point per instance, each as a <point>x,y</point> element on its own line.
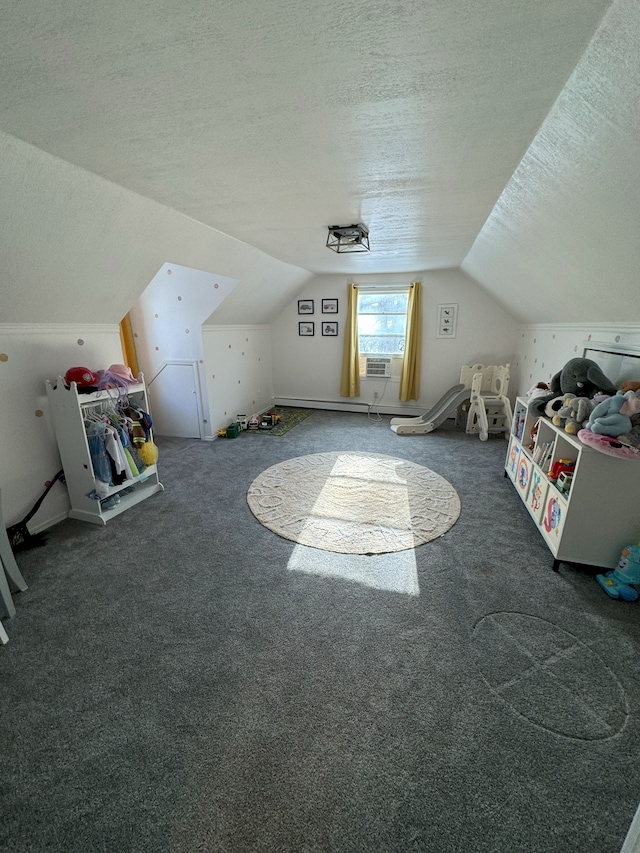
<point>170,685</point>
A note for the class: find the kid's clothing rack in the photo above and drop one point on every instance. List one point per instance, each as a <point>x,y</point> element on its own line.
<point>69,409</point>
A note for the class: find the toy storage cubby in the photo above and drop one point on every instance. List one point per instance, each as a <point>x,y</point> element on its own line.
<point>598,516</point>
<point>68,410</point>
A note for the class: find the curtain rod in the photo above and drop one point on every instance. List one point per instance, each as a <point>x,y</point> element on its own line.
<point>383,288</point>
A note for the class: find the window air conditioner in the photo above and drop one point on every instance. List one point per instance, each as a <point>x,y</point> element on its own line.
<point>378,367</point>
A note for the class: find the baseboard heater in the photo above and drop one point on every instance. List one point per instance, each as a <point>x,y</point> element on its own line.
<point>351,406</point>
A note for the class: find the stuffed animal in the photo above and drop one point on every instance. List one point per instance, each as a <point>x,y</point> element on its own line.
<point>580,376</point>
<point>540,389</point>
<point>558,414</point>
<point>553,406</point>
<point>607,417</point>
<point>629,385</point>
<point>574,414</point>
<point>632,408</point>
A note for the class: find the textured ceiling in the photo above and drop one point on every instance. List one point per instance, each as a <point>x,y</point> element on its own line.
<point>270,121</point>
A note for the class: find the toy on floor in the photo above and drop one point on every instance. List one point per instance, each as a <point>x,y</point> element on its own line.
<point>618,583</point>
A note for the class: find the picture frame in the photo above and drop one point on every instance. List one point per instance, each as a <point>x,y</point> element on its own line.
<point>306,329</point>
<point>329,306</point>
<point>305,306</point>
<point>329,330</point>
<point>447,320</point>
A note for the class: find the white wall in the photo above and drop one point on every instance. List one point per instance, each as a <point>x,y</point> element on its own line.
<point>544,349</point>
<point>309,368</point>
<point>239,373</point>
<point>76,248</point>
<point>29,456</point>
<point>561,244</point>
<point>167,326</point>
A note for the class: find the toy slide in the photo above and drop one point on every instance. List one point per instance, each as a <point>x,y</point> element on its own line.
<point>445,407</point>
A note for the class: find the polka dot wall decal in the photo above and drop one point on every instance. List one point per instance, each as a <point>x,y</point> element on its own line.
<point>617,339</point>
<point>168,272</point>
<point>39,413</point>
<point>179,298</point>
<point>80,342</point>
<point>157,349</point>
<point>4,356</point>
<point>216,285</point>
<point>588,337</point>
<point>229,346</point>
<point>156,316</point>
<point>135,334</point>
<point>186,331</point>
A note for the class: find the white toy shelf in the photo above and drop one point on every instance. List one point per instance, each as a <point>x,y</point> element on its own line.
<point>592,522</point>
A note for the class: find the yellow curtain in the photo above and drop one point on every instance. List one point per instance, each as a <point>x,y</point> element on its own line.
<point>129,346</point>
<point>350,383</point>
<point>410,376</point>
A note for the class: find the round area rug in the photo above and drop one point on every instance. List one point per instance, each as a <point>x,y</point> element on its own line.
<point>354,503</point>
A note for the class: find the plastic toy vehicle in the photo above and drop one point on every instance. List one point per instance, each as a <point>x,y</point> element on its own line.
<point>617,584</point>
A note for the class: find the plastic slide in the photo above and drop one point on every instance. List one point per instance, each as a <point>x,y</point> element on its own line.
<point>446,406</point>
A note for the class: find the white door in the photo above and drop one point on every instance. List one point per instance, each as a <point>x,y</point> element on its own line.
<point>174,395</point>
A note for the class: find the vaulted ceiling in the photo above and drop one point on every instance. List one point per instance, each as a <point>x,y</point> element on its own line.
<point>456,131</point>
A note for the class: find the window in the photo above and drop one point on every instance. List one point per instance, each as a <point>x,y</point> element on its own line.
<point>382,322</point>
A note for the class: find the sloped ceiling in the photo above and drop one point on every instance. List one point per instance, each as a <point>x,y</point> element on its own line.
<point>268,122</point>
<point>562,242</point>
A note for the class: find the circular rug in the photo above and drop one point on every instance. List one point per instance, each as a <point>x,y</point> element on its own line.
<point>354,503</point>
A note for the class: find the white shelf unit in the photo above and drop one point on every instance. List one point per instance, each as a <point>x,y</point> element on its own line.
<point>600,514</point>
<point>68,409</point>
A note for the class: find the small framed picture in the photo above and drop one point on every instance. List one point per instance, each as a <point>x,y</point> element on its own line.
<point>306,329</point>
<point>329,306</point>
<point>305,306</point>
<point>329,329</point>
<point>447,320</point>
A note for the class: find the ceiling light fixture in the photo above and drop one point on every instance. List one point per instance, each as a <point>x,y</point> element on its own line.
<point>348,238</point>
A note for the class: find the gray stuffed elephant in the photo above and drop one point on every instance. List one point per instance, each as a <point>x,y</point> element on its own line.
<point>579,376</point>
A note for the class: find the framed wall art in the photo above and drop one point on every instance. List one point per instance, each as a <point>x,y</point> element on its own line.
<point>447,320</point>
<point>305,306</point>
<point>306,329</point>
<point>329,329</point>
<point>329,306</point>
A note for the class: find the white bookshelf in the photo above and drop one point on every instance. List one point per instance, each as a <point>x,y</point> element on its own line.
<point>600,514</point>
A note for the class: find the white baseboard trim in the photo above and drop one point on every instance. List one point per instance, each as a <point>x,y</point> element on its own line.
<point>45,525</point>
